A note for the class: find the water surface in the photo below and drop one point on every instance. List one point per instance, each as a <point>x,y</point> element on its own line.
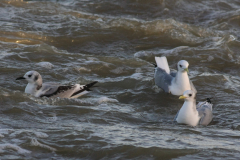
<point>115,42</point>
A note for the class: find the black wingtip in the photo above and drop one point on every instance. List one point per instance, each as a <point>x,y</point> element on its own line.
<point>154,64</point>
<point>209,100</point>
<point>88,86</point>
<point>91,84</point>
<point>85,88</point>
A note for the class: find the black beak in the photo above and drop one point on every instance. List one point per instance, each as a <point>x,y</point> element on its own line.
<point>20,78</point>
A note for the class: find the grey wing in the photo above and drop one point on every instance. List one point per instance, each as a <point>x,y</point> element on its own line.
<point>175,118</point>
<point>200,104</point>
<point>205,112</point>
<point>173,73</point>
<point>50,90</point>
<point>193,87</point>
<point>52,83</point>
<point>162,79</point>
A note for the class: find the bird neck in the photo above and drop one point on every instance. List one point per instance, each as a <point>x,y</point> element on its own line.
<point>182,78</point>
<point>32,88</point>
<point>190,105</point>
<point>39,83</point>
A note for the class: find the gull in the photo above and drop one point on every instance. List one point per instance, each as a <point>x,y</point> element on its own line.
<point>37,88</point>
<point>191,114</point>
<point>170,82</point>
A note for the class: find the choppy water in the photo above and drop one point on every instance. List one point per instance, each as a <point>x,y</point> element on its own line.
<point>114,42</point>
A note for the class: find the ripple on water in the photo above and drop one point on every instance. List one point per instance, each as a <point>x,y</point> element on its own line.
<point>126,116</point>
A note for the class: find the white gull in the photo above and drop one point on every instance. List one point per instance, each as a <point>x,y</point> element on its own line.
<point>37,88</point>
<point>170,82</point>
<point>191,114</point>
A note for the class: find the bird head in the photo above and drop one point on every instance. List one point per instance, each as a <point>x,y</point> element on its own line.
<point>183,66</point>
<point>32,77</point>
<point>188,95</point>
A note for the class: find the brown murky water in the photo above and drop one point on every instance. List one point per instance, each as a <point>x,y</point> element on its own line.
<point>115,42</point>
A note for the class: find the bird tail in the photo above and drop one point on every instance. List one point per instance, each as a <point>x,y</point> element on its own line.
<point>162,63</point>
<point>84,89</point>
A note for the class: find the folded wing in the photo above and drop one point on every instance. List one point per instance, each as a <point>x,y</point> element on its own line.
<point>205,112</point>
<point>163,79</point>
<point>49,90</point>
<point>70,91</point>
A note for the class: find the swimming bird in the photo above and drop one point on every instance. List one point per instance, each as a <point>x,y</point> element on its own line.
<point>191,114</point>
<point>170,82</point>
<point>37,88</point>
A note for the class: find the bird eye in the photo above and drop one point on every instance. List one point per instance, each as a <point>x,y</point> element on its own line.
<point>180,65</point>
<point>29,75</point>
<point>190,95</point>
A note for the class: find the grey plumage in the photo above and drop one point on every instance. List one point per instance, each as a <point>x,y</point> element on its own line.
<point>50,90</point>
<point>57,91</point>
<point>163,79</point>
<point>205,112</point>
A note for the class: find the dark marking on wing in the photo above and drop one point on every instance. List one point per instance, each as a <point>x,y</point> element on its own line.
<point>85,88</point>
<point>59,90</point>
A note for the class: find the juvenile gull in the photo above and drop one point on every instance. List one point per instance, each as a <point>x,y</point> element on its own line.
<point>37,88</point>
<point>191,114</point>
<point>174,83</point>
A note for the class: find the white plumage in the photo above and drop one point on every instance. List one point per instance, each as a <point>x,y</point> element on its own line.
<point>37,88</point>
<point>191,114</point>
<point>170,82</point>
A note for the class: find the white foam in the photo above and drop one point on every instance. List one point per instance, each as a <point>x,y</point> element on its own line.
<point>118,70</point>
<point>52,119</point>
<point>82,69</point>
<point>14,147</point>
<point>99,20</point>
<point>161,52</point>
<point>46,65</point>
<point>232,38</point>
<point>143,54</point>
<point>106,99</point>
<point>5,131</point>
<point>40,134</point>
<point>137,76</point>
<point>37,134</point>
<point>210,58</point>
<point>34,142</point>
